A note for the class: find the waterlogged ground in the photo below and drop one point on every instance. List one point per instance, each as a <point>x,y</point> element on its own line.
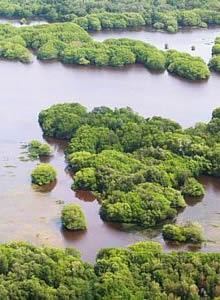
<point>34,216</point>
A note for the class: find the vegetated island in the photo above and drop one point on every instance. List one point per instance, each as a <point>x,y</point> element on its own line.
<point>214,63</point>
<point>140,168</point>
<point>69,43</point>
<point>166,15</point>
<point>141,271</point>
<point>188,233</point>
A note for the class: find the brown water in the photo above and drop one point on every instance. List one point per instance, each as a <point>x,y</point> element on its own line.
<point>30,215</point>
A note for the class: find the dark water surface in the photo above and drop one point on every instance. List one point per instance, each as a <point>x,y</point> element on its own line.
<point>31,215</point>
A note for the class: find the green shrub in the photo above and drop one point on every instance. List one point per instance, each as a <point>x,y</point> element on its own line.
<point>36,149</point>
<point>73,217</point>
<point>138,166</point>
<point>193,188</point>
<point>216,49</point>
<point>214,63</point>
<point>187,66</point>
<point>43,174</point>
<point>189,233</point>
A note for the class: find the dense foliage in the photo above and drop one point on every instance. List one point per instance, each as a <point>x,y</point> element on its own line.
<point>139,167</point>
<point>96,15</point>
<point>73,217</point>
<point>69,43</point>
<point>186,66</point>
<point>43,174</point>
<point>28,272</point>
<point>143,271</point>
<point>193,188</point>
<point>214,63</point>
<point>47,40</point>
<point>189,233</point>
<point>36,149</point>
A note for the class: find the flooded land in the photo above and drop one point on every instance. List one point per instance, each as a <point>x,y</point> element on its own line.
<point>34,216</point>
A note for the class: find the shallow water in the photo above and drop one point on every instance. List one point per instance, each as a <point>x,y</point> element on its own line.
<point>30,215</point>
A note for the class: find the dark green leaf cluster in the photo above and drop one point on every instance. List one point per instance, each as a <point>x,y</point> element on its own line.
<point>189,233</point>
<point>36,149</point>
<point>73,218</point>
<point>43,174</point>
<point>214,63</point>
<point>140,167</point>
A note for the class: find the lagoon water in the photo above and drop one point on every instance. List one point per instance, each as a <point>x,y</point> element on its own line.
<point>34,216</point>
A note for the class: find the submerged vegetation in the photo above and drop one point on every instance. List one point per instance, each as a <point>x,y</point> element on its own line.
<point>189,233</point>
<point>193,188</point>
<point>36,149</point>
<point>139,167</point>
<point>214,63</point>
<point>43,174</point>
<point>96,15</point>
<point>69,43</point>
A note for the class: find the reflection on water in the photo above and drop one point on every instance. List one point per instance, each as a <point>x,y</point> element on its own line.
<point>85,196</point>
<point>34,216</point>
<point>45,188</point>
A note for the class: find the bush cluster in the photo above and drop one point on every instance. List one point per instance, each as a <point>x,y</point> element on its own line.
<point>186,66</point>
<point>43,174</point>
<point>214,63</point>
<point>142,271</point>
<point>36,149</point>
<point>69,43</point>
<point>139,167</point>
<point>167,15</point>
<point>28,272</point>
<point>73,218</point>
<point>189,233</point>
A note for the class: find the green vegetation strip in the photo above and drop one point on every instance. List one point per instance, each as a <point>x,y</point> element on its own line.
<point>167,15</point>
<point>214,63</point>
<point>69,43</point>
<point>142,271</point>
<point>140,168</point>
